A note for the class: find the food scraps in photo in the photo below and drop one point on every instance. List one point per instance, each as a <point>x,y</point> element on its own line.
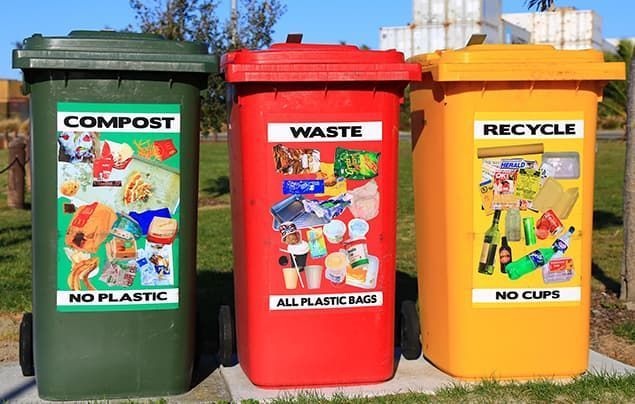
<point>290,161</point>
<point>137,189</point>
<point>77,147</point>
<point>80,271</point>
<point>90,226</point>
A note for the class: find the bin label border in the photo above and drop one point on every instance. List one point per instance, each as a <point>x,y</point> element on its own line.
<point>366,131</point>
<point>527,295</point>
<point>529,129</point>
<point>325,301</point>
<point>118,297</point>
<point>119,122</point>
<point>118,206</point>
<point>522,164</point>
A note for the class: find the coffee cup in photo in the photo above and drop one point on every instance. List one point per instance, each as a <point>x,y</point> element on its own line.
<point>299,252</point>
<point>290,278</point>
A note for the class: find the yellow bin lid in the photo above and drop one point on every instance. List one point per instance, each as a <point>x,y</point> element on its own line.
<point>518,63</point>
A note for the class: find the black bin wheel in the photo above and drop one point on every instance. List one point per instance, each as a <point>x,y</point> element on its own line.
<point>410,344</point>
<point>225,336</point>
<point>26,345</point>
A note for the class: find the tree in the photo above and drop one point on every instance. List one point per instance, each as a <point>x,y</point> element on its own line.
<point>613,106</point>
<point>616,95</point>
<point>361,47</point>
<point>627,290</point>
<point>540,5</point>
<point>197,20</point>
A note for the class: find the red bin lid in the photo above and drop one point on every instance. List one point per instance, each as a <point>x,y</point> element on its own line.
<point>290,62</point>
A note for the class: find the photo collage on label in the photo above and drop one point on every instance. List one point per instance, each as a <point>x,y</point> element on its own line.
<point>536,206</point>
<point>323,221</point>
<point>119,199</point>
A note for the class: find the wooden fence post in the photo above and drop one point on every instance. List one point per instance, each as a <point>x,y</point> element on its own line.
<point>15,186</point>
<point>27,165</point>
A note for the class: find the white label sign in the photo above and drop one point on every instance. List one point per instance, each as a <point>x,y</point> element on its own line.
<point>118,122</point>
<point>117,297</point>
<point>325,301</point>
<point>541,295</point>
<point>325,132</point>
<point>529,129</point>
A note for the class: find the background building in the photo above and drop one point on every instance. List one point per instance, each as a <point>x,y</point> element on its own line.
<point>448,24</point>
<point>564,28</point>
<point>12,103</point>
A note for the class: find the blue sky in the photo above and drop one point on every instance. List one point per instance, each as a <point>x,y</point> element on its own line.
<point>353,21</point>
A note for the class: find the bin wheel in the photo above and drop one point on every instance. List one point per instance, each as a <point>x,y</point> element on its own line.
<point>26,345</point>
<point>410,345</point>
<point>225,336</point>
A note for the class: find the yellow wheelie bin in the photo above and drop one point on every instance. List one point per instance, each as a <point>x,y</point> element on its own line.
<point>504,148</point>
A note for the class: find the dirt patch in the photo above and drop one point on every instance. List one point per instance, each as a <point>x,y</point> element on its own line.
<point>8,352</point>
<point>211,203</point>
<point>617,348</point>
<point>9,337</point>
<point>607,312</point>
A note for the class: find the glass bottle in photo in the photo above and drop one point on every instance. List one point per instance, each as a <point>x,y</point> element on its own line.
<point>504,254</point>
<point>490,245</point>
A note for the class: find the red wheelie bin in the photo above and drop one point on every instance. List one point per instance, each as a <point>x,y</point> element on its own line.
<point>313,143</point>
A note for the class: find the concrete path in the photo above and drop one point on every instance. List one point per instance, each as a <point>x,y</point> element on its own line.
<point>418,375</point>
<point>209,387</point>
<point>231,383</point>
<point>411,376</point>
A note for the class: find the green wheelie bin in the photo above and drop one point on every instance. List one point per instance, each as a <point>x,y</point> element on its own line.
<point>115,143</point>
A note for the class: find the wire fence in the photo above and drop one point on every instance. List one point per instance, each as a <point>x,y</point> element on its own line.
<point>15,161</point>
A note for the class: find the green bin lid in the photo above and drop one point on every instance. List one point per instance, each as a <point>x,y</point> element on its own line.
<point>109,50</point>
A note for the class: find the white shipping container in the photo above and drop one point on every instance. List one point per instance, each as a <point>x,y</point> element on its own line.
<point>513,34</point>
<point>565,28</point>
<point>582,25</point>
<point>457,35</point>
<point>399,38</point>
<point>582,45</point>
<point>428,39</point>
<point>455,11</point>
<point>414,40</point>
<point>522,20</point>
<point>428,11</point>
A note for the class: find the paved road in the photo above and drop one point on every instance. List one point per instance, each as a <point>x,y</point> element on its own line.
<point>611,134</point>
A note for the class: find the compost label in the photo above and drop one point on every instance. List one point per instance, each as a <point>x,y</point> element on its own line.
<point>326,226</point>
<point>118,210</point>
<point>527,203</point>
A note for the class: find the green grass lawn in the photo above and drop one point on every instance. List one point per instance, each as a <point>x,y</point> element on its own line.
<point>608,231</point>
<point>214,263</point>
<point>15,251</point>
<point>584,389</point>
